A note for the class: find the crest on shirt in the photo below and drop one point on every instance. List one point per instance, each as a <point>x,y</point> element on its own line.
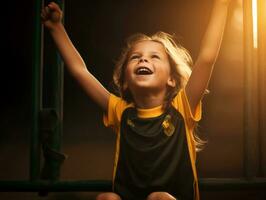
<point>168,127</point>
<point>130,123</point>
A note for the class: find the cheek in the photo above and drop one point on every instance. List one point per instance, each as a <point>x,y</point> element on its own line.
<point>166,70</point>
<point>126,76</point>
<point>128,71</point>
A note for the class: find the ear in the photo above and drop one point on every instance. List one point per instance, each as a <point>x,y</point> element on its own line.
<point>125,86</point>
<point>171,82</point>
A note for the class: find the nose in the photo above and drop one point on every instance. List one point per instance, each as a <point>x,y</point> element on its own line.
<point>143,60</point>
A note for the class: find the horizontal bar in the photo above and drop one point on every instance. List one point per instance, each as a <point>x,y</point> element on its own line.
<point>205,184</point>
<point>55,186</point>
<point>216,184</point>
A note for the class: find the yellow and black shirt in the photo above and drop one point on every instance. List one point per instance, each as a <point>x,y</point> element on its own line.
<point>155,149</point>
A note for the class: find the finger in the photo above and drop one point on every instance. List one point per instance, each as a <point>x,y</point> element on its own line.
<point>43,12</point>
<point>54,6</point>
<point>43,16</point>
<point>47,10</point>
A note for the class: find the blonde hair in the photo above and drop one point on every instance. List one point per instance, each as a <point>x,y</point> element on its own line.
<point>180,64</point>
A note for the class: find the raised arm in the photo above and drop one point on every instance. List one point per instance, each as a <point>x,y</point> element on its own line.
<point>52,17</point>
<point>210,46</point>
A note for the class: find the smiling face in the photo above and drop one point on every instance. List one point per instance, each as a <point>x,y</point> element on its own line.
<point>148,68</point>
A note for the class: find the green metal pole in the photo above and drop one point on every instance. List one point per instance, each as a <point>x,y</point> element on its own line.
<point>36,94</point>
<point>55,186</point>
<point>206,184</point>
<point>53,107</point>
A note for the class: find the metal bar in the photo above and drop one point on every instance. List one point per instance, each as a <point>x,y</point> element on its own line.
<point>105,185</point>
<point>58,82</point>
<point>251,144</point>
<point>36,94</point>
<point>216,184</point>
<point>55,186</point>
<point>262,82</point>
<point>53,100</point>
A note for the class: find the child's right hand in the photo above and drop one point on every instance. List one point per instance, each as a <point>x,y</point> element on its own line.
<point>51,15</point>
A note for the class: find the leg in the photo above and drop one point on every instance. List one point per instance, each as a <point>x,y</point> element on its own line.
<point>108,196</point>
<point>160,196</point>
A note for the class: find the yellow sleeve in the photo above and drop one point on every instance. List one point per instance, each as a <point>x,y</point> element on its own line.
<point>181,103</point>
<point>116,106</point>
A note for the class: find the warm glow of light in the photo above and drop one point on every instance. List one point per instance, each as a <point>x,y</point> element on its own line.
<point>255,22</point>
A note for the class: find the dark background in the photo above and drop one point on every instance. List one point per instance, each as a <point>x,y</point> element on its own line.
<point>98,29</point>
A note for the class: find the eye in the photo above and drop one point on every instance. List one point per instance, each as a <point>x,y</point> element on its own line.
<point>134,57</point>
<point>155,56</point>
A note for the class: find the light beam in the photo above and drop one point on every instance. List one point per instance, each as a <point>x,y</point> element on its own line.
<point>255,23</point>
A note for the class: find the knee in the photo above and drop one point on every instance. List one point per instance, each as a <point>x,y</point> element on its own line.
<point>160,196</point>
<point>108,196</point>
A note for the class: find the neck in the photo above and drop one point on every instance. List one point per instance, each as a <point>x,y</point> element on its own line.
<point>148,100</point>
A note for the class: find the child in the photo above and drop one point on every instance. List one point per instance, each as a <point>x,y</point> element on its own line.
<point>159,107</point>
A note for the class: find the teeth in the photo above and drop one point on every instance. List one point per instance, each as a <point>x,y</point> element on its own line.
<point>143,70</point>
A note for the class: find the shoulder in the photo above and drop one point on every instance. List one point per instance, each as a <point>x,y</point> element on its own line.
<point>181,103</point>
<point>116,107</point>
<point>117,103</point>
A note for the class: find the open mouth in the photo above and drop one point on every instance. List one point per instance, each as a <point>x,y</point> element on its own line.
<point>143,71</point>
